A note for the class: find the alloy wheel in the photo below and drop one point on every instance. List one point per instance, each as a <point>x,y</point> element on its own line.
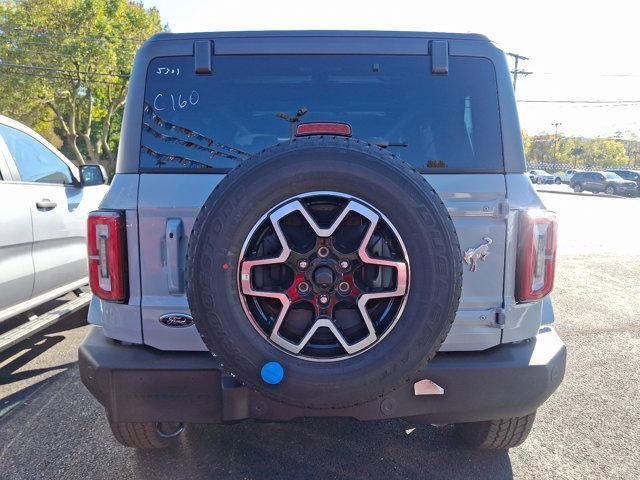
<point>323,276</point>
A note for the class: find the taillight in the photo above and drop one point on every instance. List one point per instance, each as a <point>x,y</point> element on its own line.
<point>323,128</point>
<point>537,242</point>
<point>106,248</point>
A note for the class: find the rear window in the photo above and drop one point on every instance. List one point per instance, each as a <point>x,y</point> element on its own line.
<point>611,176</point>
<point>436,123</point>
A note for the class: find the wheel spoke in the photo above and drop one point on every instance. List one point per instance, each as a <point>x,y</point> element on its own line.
<point>401,280</point>
<point>247,265</point>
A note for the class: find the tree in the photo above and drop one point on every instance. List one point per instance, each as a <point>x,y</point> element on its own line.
<point>592,153</point>
<point>68,62</point>
<point>606,153</point>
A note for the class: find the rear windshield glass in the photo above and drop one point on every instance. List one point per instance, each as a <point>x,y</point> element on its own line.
<point>435,122</point>
<point>611,176</point>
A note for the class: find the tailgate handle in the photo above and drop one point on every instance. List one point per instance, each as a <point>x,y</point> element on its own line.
<point>173,236</point>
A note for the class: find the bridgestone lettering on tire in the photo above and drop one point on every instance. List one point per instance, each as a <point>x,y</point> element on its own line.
<point>331,257</point>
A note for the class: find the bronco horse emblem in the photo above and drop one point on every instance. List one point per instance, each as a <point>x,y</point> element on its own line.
<point>472,255</point>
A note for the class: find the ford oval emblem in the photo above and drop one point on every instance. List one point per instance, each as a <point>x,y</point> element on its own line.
<point>176,320</point>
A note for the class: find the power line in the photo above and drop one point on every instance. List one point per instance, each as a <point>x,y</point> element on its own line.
<point>40,33</point>
<point>582,74</point>
<point>53,77</point>
<point>588,102</point>
<point>515,70</point>
<point>61,70</point>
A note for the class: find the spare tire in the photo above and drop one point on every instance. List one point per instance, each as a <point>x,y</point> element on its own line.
<point>324,272</point>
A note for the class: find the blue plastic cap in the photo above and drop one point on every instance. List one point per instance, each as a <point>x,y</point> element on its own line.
<point>272,373</point>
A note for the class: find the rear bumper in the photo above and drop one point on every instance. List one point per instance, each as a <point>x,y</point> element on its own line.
<point>137,384</point>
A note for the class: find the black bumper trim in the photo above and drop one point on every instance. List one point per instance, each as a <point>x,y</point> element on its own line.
<point>138,384</point>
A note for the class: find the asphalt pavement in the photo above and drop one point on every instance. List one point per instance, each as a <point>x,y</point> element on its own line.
<point>51,427</point>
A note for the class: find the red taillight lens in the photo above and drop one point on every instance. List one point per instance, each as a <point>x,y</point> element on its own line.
<point>537,243</point>
<point>106,248</point>
<point>323,128</point>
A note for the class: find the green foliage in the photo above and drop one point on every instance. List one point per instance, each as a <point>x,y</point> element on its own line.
<point>64,68</point>
<point>590,153</point>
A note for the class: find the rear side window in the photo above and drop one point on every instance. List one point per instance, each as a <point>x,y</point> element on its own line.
<point>435,122</point>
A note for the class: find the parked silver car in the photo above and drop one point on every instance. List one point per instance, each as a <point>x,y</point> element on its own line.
<point>541,176</point>
<point>44,201</point>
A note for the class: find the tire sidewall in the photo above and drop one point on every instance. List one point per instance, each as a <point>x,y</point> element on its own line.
<point>276,175</point>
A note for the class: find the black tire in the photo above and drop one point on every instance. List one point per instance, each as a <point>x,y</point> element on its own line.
<point>558,181</point>
<point>341,165</point>
<point>577,188</point>
<point>496,434</point>
<point>610,190</point>
<point>144,435</point>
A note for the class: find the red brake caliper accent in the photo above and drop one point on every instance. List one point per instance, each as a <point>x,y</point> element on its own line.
<point>292,291</point>
<point>355,292</point>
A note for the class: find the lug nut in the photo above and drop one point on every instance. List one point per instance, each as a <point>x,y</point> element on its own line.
<point>344,264</point>
<point>323,252</point>
<point>303,287</point>
<point>303,264</point>
<point>323,299</point>
<point>344,287</point>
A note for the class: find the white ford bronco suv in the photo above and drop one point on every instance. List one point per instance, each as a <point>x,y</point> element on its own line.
<point>321,224</point>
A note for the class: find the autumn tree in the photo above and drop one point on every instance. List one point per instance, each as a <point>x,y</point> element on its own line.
<point>69,61</point>
<point>591,153</point>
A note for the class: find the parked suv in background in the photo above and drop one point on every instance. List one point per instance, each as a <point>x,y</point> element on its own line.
<point>631,175</point>
<point>607,182</point>
<point>540,176</point>
<point>44,202</point>
<point>321,224</point>
<point>565,177</point>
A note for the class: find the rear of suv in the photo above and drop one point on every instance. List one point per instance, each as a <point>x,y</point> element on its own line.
<point>314,224</point>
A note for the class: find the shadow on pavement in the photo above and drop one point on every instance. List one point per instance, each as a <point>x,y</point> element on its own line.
<point>27,353</point>
<point>35,347</point>
<point>321,448</point>
<point>8,403</point>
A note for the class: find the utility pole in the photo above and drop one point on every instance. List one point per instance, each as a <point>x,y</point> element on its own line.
<point>555,141</point>
<point>515,70</point>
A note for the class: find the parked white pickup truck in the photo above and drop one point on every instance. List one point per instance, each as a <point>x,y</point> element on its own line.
<point>44,202</point>
<point>564,177</point>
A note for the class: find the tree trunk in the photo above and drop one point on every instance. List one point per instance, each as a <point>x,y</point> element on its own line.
<point>69,132</point>
<point>106,128</point>
<point>92,150</point>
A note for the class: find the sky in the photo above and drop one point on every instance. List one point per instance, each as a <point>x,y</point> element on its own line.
<point>579,51</point>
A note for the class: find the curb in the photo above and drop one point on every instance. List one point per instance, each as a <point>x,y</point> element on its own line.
<point>583,194</point>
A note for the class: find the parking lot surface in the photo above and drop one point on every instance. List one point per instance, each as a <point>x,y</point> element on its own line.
<point>51,427</point>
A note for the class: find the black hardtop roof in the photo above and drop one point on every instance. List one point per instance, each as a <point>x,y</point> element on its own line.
<point>164,36</point>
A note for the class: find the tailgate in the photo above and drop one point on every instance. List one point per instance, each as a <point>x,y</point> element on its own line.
<point>169,203</point>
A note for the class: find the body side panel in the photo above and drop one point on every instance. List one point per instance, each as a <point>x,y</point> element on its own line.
<point>123,321</point>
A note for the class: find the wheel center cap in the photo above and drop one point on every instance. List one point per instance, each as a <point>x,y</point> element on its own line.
<point>323,277</point>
